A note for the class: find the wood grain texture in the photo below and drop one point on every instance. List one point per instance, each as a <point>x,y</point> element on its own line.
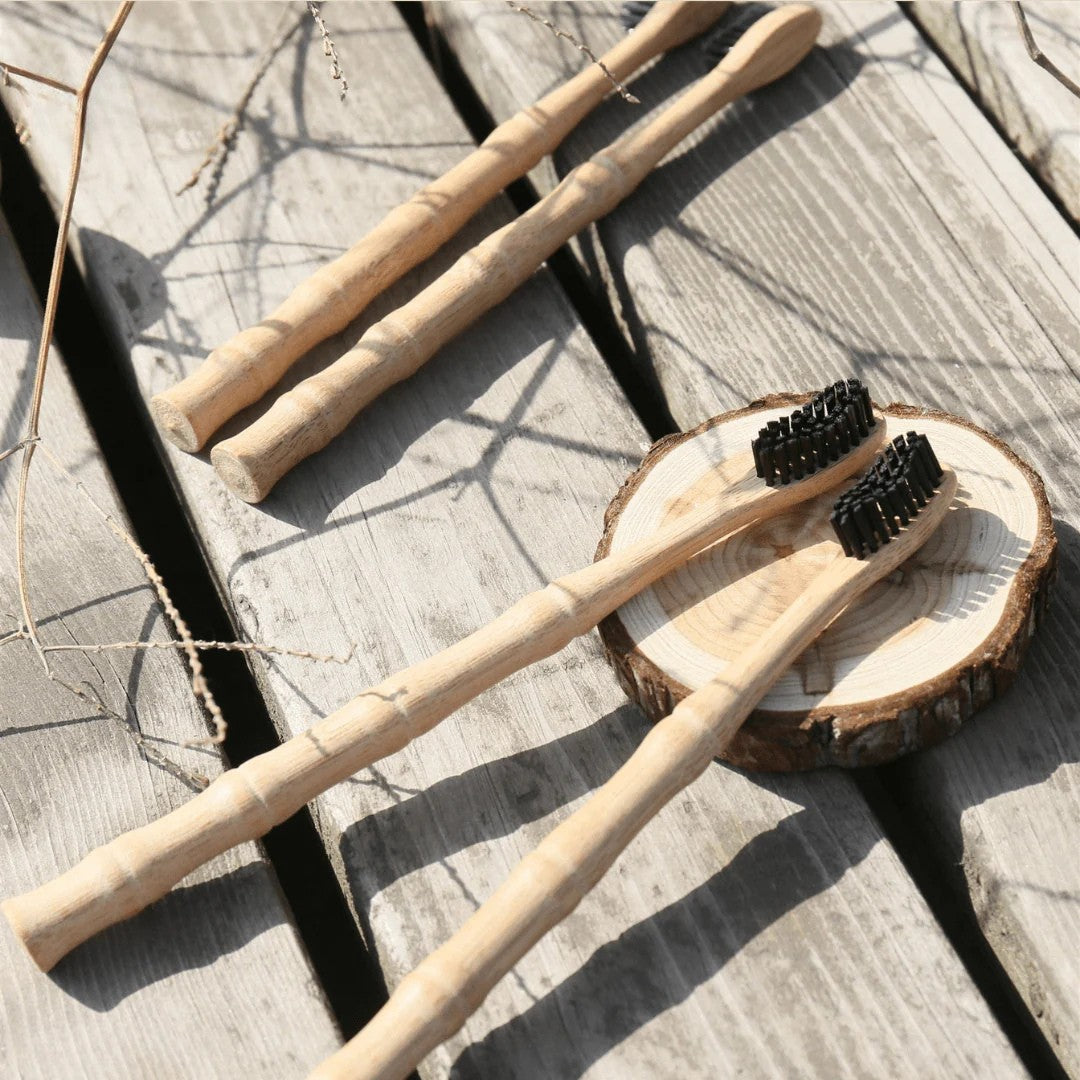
<point>864,216</point>
<point>185,990</point>
<point>482,477</point>
<point>1040,116</point>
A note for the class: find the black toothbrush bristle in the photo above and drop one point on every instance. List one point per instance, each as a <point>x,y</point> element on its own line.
<point>815,435</point>
<point>890,494</point>
<point>719,42</point>
<point>632,12</point>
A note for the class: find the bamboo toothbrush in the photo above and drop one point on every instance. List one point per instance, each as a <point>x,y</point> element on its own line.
<point>241,370</point>
<point>434,1001</point>
<point>306,418</point>
<point>832,437</point>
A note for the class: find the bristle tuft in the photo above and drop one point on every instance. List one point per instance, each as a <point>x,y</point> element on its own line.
<point>828,425</point>
<point>632,12</point>
<point>720,42</point>
<point>892,492</point>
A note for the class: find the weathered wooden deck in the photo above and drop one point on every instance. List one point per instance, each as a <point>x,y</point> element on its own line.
<point>864,216</point>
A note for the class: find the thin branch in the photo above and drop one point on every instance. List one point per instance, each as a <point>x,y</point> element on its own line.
<point>12,69</point>
<point>227,646</point>
<point>580,46</point>
<point>79,130</point>
<point>31,441</point>
<point>88,695</point>
<point>1037,54</point>
<point>21,444</point>
<point>218,150</point>
<point>329,48</point>
<point>199,686</point>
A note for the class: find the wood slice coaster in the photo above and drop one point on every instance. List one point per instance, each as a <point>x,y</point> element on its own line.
<point>920,653</point>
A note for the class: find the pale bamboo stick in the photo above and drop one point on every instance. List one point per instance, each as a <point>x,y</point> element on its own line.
<point>241,370</point>
<point>306,418</point>
<point>124,876</point>
<point>434,1000</point>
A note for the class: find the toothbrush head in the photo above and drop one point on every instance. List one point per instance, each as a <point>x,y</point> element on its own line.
<point>896,487</point>
<point>830,424</point>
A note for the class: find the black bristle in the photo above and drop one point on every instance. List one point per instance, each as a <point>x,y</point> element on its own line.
<point>717,44</point>
<point>900,481</point>
<point>632,12</point>
<point>815,435</point>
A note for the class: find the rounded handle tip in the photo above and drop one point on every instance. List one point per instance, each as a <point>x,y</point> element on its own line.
<point>297,425</point>
<point>177,425</point>
<point>774,45</point>
<point>246,479</point>
<point>41,949</point>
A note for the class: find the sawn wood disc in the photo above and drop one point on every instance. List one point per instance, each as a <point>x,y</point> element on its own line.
<point>920,653</point>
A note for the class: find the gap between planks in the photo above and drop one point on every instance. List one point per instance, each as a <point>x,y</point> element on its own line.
<point>353,985</point>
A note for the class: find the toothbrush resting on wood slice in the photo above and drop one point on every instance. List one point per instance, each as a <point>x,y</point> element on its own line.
<point>832,437</point>
<point>306,418</point>
<point>241,370</point>
<point>434,1000</point>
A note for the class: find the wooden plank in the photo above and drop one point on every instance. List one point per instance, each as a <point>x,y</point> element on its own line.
<point>184,990</point>
<point>772,902</point>
<point>863,217</point>
<point>1040,115</point>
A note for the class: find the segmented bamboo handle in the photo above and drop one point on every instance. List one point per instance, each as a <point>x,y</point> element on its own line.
<point>125,875</point>
<point>306,418</point>
<point>435,999</point>
<point>241,370</point>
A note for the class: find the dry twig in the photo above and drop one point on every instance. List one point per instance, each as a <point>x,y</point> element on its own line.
<point>82,98</point>
<point>580,46</point>
<point>218,149</point>
<point>11,69</point>
<point>32,440</point>
<point>225,646</point>
<point>196,781</point>
<point>190,646</point>
<point>329,48</point>
<point>1037,54</point>
<point>199,687</point>
<point>223,141</point>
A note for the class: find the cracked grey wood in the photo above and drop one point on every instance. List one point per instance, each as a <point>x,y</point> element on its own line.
<point>184,990</point>
<point>1039,115</point>
<point>863,217</point>
<point>771,902</point>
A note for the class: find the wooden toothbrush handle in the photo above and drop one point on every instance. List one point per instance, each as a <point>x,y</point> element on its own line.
<point>125,875</point>
<point>435,999</point>
<point>241,370</point>
<point>306,418</point>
